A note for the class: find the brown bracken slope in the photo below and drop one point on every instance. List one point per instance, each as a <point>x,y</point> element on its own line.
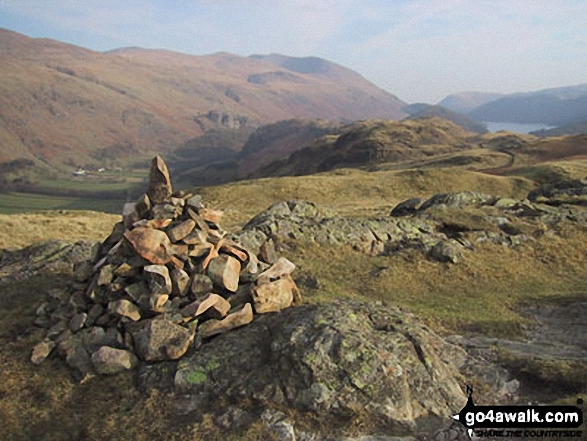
<point>61,103</point>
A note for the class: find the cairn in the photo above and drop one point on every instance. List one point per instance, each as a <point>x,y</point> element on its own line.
<point>166,279</point>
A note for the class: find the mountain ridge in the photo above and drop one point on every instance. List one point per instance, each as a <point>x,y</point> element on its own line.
<point>64,104</point>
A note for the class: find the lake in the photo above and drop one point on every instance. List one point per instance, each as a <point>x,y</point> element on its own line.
<point>494,126</point>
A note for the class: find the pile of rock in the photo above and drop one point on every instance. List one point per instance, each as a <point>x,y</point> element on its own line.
<point>166,277</point>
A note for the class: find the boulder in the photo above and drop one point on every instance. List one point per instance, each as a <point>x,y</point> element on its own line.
<point>108,361</point>
<point>337,360</point>
<point>159,339</point>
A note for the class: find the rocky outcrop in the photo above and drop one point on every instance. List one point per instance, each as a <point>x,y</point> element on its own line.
<point>338,361</point>
<point>444,227</point>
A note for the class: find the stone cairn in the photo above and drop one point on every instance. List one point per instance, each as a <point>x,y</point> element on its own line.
<point>166,278</point>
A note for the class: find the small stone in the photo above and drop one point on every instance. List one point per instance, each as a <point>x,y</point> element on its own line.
<point>274,296</point>
<point>77,321</point>
<point>158,340</point>
<point>136,290</point>
<point>124,308</point>
<point>41,351</point>
<point>106,275</point>
<point>196,237</point>
<point>446,251</point>
<point>201,285</point>
<point>159,280</point>
<point>234,320</point>
<point>93,314</point>
<point>267,252</point>
<point>109,361</point>
<point>213,305</point>
<point>236,250</point>
<point>195,202</point>
<point>209,215</point>
<point>178,232</point>
<point>143,205</point>
<point>180,282</point>
<point>151,244</point>
<point>126,270</point>
<point>179,250</point>
<point>200,250</point>
<point>281,268</point>
<point>83,272</point>
<point>159,182</point>
<point>130,214</point>
<point>224,271</point>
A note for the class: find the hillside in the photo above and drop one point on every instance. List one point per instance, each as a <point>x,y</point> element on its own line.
<point>368,143</point>
<point>465,102</point>
<point>221,156</point>
<point>533,108</point>
<point>458,118</point>
<point>64,104</point>
<point>567,129</point>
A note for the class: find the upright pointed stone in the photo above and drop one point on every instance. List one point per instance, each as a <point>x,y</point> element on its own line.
<point>159,181</point>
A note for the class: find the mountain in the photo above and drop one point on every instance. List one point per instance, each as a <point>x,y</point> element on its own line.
<point>533,108</point>
<point>554,106</point>
<point>66,104</point>
<point>465,102</point>
<point>457,118</point>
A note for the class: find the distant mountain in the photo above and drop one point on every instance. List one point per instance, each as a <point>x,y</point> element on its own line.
<point>534,108</point>
<point>366,143</point>
<point>568,129</point>
<point>457,118</point>
<point>65,104</point>
<point>464,102</point>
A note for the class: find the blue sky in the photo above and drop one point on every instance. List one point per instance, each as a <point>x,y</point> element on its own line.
<point>420,50</point>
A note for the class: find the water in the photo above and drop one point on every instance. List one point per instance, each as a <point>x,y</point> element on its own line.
<point>515,127</point>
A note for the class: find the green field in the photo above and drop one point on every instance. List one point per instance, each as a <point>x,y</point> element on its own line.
<point>12,203</point>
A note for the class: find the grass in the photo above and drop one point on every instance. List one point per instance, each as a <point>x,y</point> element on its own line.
<point>20,230</point>
<point>12,203</point>
<point>482,294</point>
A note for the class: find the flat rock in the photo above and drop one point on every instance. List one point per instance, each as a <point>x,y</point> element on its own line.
<point>213,305</point>
<point>109,361</point>
<point>150,244</point>
<point>224,271</point>
<point>234,320</point>
<point>181,230</point>
<point>159,181</point>
<point>281,268</point>
<point>159,339</point>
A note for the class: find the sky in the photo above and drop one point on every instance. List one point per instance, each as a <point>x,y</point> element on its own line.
<point>419,50</point>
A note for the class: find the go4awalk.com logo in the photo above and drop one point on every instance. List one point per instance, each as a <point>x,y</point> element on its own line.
<point>521,421</point>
